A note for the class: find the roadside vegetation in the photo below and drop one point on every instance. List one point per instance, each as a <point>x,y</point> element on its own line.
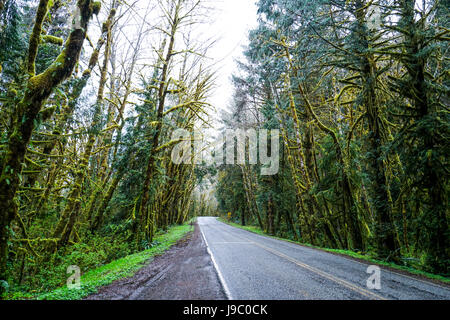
<point>97,268</point>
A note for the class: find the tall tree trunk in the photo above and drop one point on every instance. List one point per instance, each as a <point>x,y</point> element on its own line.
<point>2,5</point>
<point>425,97</point>
<point>386,237</point>
<point>71,211</point>
<point>270,216</point>
<point>251,200</point>
<point>73,98</point>
<point>162,93</point>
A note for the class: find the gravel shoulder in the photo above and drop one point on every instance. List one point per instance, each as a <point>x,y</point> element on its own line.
<point>184,272</point>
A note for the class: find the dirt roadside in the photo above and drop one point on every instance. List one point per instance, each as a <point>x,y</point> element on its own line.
<point>184,272</point>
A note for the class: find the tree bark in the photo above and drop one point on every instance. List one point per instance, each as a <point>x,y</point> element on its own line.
<point>385,233</point>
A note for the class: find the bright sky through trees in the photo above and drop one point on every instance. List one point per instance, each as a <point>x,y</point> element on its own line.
<point>231,21</point>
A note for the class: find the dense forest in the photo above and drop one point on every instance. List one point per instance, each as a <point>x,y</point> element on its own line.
<point>91,93</point>
<point>360,92</point>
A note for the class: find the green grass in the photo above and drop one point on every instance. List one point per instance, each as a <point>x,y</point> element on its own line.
<point>118,269</point>
<point>348,253</point>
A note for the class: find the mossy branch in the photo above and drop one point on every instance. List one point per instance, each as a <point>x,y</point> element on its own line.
<point>36,36</point>
<point>316,118</point>
<point>52,39</point>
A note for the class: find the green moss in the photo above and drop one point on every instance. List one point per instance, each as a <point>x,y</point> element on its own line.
<point>36,35</point>
<point>94,58</point>
<point>96,6</point>
<point>43,81</point>
<point>38,83</point>
<point>47,113</point>
<point>105,27</point>
<point>52,39</point>
<point>86,72</point>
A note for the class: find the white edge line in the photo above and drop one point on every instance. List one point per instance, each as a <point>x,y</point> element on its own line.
<point>222,280</point>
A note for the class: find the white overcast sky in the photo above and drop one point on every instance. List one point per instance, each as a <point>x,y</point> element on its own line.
<point>227,22</point>
<point>230,23</point>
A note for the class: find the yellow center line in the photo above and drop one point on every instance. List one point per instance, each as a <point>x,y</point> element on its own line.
<point>231,242</point>
<point>328,276</point>
<point>344,283</point>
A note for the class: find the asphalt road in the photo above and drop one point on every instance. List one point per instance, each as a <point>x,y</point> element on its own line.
<point>255,267</point>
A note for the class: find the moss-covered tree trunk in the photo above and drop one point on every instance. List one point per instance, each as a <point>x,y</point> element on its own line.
<point>38,89</point>
<point>73,98</point>
<point>349,204</point>
<point>270,216</point>
<point>250,195</point>
<point>386,238</point>
<point>2,5</point>
<point>99,216</point>
<point>427,118</point>
<point>302,166</point>
<point>72,208</point>
<point>144,222</point>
